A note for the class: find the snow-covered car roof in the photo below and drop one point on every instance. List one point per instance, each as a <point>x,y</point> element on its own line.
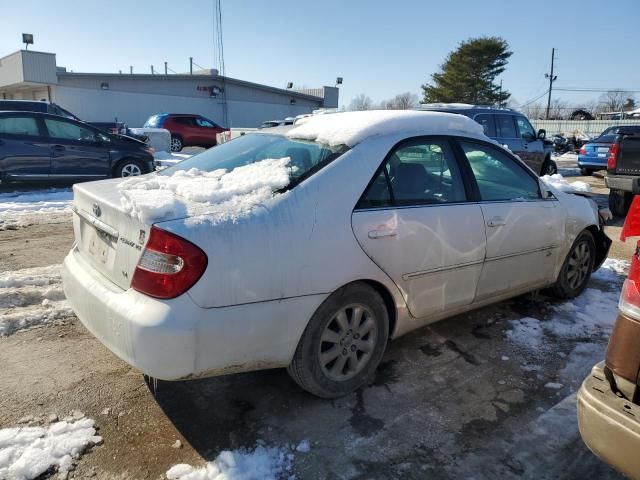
<point>351,128</point>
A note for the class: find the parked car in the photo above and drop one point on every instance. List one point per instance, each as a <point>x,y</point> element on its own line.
<point>277,123</point>
<point>187,130</point>
<point>594,154</point>
<point>52,108</point>
<point>623,171</point>
<point>308,247</point>
<point>41,146</point>
<point>609,399</point>
<point>508,127</point>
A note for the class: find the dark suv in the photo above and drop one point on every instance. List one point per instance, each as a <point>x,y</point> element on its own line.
<point>187,130</point>
<point>41,146</point>
<point>508,127</point>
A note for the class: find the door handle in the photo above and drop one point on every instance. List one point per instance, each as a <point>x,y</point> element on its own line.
<point>496,222</point>
<point>526,145</point>
<point>373,234</point>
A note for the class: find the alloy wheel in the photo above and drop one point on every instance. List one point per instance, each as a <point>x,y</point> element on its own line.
<point>348,341</point>
<point>131,170</point>
<point>578,265</point>
<point>176,145</point>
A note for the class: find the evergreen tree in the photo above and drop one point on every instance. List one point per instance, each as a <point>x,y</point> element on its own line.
<point>468,73</point>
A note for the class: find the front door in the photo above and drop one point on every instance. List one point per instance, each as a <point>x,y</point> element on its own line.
<point>415,223</point>
<point>533,147</point>
<point>509,136</point>
<point>524,231</point>
<point>76,150</point>
<point>24,150</point>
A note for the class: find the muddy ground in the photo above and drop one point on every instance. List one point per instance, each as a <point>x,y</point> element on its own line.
<point>453,400</point>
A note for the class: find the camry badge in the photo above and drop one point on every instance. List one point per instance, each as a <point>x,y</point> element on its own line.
<point>141,237</point>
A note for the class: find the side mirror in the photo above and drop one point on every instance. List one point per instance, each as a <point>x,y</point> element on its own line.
<point>542,134</point>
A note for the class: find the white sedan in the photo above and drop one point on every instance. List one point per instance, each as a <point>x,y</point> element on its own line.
<point>310,247</point>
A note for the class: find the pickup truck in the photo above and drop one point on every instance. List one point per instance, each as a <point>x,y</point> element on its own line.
<point>623,171</point>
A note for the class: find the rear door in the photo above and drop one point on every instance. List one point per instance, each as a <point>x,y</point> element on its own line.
<point>77,150</point>
<point>24,149</point>
<point>415,223</point>
<point>207,131</point>
<point>523,230</point>
<point>488,123</point>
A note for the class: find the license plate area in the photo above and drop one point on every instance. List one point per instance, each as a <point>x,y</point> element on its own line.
<point>603,151</point>
<point>97,246</point>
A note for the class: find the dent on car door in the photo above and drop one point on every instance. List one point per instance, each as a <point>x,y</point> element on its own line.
<point>524,231</point>
<point>24,151</point>
<point>415,223</point>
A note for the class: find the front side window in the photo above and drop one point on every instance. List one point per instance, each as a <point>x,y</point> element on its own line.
<point>488,124</point>
<point>69,131</point>
<point>499,177</point>
<point>19,126</point>
<point>305,157</point>
<point>525,128</point>
<point>416,173</point>
<point>505,126</point>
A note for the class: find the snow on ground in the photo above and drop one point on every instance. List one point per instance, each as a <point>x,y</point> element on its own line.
<point>220,195</point>
<point>261,463</point>
<point>591,314</point>
<point>31,297</point>
<point>27,452</point>
<point>557,181</point>
<point>350,128</point>
<point>21,208</point>
<point>168,159</point>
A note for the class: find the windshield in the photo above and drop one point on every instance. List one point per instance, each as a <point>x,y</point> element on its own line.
<point>306,158</point>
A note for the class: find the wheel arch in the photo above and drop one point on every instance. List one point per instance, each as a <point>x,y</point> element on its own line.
<point>602,245</point>
<point>122,160</point>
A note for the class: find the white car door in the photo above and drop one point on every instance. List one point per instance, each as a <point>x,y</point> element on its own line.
<point>415,223</point>
<point>524,230</point>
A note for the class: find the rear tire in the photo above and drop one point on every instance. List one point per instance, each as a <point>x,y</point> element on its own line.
<point>343,343</point>
<point>129,168</point>
<point>619,202</point>
<point>176,143</point>
<point>586,172</point>
<point>577,268</point>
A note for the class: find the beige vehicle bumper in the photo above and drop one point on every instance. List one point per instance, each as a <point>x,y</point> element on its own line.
<point>609,425</point>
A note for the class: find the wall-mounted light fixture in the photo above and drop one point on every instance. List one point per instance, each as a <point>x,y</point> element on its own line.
<point>292,101</point>
<point>289,85</point>
<point>338,81</point>
<point>104,86</point>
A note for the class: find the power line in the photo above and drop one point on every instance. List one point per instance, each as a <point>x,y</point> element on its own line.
<point>528,102</point>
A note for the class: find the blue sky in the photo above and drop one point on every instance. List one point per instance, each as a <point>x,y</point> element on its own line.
<point>380,48</point>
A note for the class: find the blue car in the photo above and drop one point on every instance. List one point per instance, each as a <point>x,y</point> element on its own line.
<point>593,155</point>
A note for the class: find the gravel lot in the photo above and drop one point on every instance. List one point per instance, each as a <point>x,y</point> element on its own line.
<point>463,398</point>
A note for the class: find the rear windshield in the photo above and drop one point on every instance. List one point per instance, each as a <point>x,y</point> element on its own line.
<point>306,158</point>
<point>604,139</point>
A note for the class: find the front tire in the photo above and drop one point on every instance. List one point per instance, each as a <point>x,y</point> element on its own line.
<point>577,267</point>
<point>619,202</point>
<point>343,343</point>
<point>549,167</point>
<point>129,168</point>
<point>176,143</point>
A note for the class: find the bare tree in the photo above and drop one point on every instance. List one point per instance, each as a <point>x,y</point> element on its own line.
<point>559,109</point>
<point>402,101</point>
<point>613,100</point>
<point>534,111</point>
<point>361,102</point>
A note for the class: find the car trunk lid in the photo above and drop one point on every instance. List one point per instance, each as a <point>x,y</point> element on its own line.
<point>109,239</point>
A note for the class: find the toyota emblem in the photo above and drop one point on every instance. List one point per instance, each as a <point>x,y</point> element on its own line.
<point>96,210</point>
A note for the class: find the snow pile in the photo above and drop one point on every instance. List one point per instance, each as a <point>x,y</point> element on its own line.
<point>220,195</point>
<point>261,463</point>
<point>31,297</point>
<point>350,128</point>
<point>35,206</point>
<point>591,314</point>
<point>28,452</point>
<point>558,182</point>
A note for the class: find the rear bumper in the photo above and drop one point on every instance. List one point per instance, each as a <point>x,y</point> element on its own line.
<point>585,161</point>
<point>623,182</point>
<point>609,425</point>
<point>176,339</point>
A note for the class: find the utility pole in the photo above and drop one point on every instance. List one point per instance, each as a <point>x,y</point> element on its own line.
<point>165,68</point>
<point>552,79</point>
<point>190,65</point>
<point>500,101</point>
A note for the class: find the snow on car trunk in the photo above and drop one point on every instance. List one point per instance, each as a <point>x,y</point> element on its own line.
<point>112,218</point>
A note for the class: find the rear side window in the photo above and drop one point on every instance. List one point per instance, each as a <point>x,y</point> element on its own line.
<point>499,177</point>
<point>488,124</point>
<point>203,122</point>
<point>418,173</point>
<point>69,131</point>
<point>19,126</point>
<point>505,126</point>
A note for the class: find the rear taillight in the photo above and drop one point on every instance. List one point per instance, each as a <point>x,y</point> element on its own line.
<point>582,151</point>
<point>630,296</point>
<point>169,265</point>
<point>631,227</point>
<point>613,156</point>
